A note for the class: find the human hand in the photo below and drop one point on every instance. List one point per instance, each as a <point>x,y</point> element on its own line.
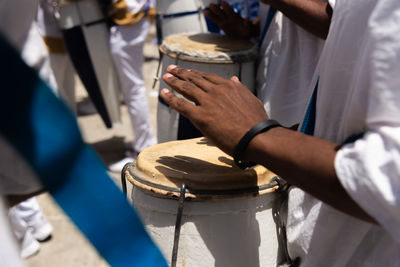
<point>231,22</point>
<point>224,110</point>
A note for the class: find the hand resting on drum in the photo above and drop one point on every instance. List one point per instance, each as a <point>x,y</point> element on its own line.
<point>232,23</point>
<point>214,96</point>
<point>225,110</point>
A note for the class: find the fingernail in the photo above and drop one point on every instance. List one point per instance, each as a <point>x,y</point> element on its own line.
<point>168,75</point>
<point>235,78</point>
<point>171,67</point>
<point>164,91</point>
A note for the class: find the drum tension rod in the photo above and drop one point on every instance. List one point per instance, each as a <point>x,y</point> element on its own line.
<point>178,225</point>
<point>123,178</point>
<point>157,77</point>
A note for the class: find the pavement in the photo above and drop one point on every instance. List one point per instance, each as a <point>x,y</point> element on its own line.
<point>68,247</point>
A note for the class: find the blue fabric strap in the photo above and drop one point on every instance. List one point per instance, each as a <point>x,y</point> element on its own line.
<point>270,16</point>
<point>309,119</point>
<point>45,133</point>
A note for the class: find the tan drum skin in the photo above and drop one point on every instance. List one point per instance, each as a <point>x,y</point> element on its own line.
<point>232,227</point>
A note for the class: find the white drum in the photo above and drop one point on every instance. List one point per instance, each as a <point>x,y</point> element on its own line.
<point>183,16</point>
<point>87,39</point>
<point>208,52</point>
<point>179,16</point>
<point>226,218</point>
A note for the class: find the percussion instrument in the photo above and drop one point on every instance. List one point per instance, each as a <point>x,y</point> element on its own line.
<point>202,210</point>
<point>183,16</point>
<point>86,36</point>
<point>179,16</point>
<point>208,52</point>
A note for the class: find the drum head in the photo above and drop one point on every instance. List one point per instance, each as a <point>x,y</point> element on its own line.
<point>206,171</point>
<point>208,48</point>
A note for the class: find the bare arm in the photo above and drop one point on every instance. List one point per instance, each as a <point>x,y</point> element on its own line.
<point>225,110</point>
<point>312,15</point>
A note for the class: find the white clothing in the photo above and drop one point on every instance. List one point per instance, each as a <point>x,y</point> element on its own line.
<point>135,6</point>
<point>126,44</point>
<point>9,255</point>
<point>288,57</point>
<point>15,20</point>
<point>358,92</point>
<point>35,54</point>
<point>59,63</point>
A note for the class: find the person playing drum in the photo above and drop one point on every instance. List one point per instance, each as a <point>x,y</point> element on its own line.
<point>289,50</point>
<point>343,206</point>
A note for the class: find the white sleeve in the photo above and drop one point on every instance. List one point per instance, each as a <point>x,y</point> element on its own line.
<point>332,3</point>
<point>369,169</point>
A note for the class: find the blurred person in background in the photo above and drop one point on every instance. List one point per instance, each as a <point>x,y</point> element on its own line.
<point>131,24</point>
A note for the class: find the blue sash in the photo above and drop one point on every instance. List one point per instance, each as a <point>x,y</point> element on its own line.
<point>309,118</point>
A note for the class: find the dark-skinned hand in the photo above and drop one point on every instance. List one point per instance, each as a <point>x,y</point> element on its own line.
<point>224,110</point>
<point>231,22</point>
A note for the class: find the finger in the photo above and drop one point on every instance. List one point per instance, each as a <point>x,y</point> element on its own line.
<point>177,103</point>
<point>217,11</point>
<point>216,19</point>
<point>189,74</point>
<point>228,10</point>
<point>185,88</point>
<point>194,76</point>
<point>235,79</point>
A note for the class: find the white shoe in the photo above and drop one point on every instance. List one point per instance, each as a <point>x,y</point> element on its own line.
<point>40,227</point>
<point>29,245</point>
<point>119,165</point>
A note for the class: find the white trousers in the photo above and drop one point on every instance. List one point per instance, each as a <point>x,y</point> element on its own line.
<point>126,44</point>
<point>23,213</point>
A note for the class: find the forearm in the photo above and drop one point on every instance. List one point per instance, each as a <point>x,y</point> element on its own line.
<point>225,110</point>
<point>306,162</point>
<point>312,15</point>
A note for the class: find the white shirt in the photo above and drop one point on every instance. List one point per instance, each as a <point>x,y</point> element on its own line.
<point>135,6</point>
<point>358,92</point>
<point>288,57</point>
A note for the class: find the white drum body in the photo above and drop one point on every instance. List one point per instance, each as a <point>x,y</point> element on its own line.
<point>88,15</point>
<point>231,233</point>
<point>180,16</point>
<point>227,215</point>
<point>223,64</point>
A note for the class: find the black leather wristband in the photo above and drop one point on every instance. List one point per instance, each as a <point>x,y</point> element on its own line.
<point>244,142</point>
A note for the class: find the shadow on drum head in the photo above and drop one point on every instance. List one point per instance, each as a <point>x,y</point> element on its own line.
<point>205,141</point>
<point>221,42</point>
<point>194,173</point>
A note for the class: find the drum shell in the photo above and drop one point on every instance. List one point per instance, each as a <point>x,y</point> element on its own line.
<point>167,118</point>
<point>230,232</point>
<point>188,23</point>
<point>191,19</point>
<point>170,22</point>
